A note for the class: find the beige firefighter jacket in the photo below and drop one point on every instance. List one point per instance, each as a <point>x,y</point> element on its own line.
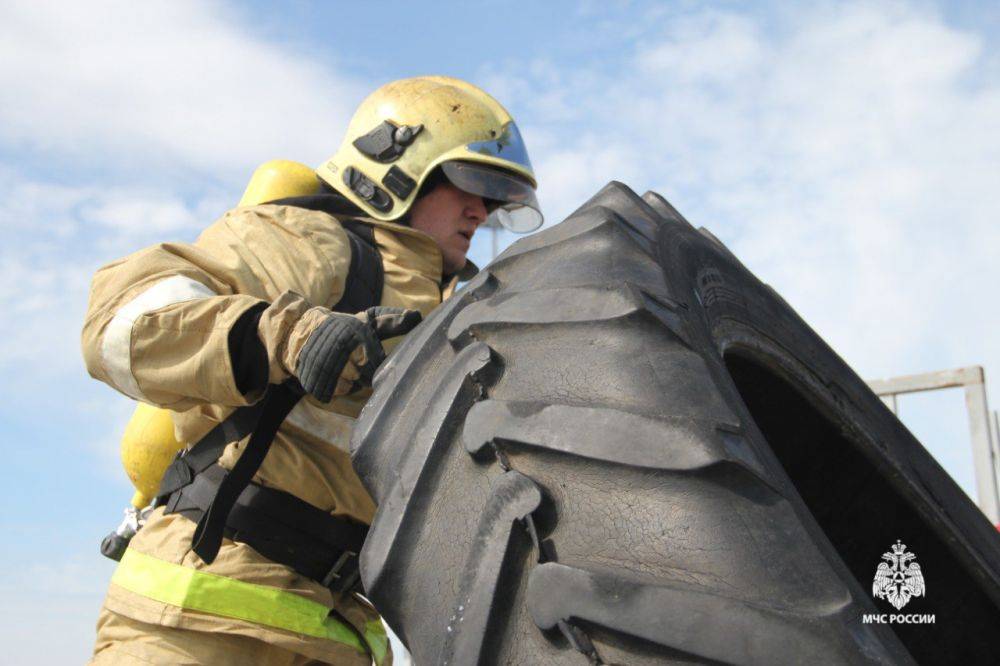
<point>157,330</point>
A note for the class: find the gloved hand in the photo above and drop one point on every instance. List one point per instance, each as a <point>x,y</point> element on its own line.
<point>341,354</point>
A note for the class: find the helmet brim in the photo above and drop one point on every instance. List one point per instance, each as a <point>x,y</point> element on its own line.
<point>518,208</point>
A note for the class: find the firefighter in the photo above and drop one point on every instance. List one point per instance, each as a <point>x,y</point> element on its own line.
<point>301,297</point>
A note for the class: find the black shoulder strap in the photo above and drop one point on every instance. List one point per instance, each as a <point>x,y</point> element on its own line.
<point>332,203</point>
<point>365,278</point>
<point>274,407</point>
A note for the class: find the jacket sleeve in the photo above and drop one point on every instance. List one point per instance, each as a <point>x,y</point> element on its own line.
<point>162,323</point>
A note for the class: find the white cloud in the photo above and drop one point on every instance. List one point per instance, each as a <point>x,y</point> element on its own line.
<point>705,49</point>
<point>140,123</point>
<point>161,86</point>
<point>56,236</point>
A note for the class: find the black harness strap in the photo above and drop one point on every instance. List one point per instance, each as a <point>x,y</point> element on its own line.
<point>281,527</point>
<point>275,406</point>
<point>206,452</point>
<point>277,533</point>
<point>366,277</point>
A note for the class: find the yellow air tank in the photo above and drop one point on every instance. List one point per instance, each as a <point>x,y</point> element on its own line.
<point>279,179</point>
<point>148,445</point>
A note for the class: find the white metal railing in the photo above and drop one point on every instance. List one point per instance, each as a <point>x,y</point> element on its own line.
<point>985,431</point>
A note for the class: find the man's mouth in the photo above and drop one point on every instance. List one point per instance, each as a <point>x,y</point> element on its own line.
<point>466,234</point>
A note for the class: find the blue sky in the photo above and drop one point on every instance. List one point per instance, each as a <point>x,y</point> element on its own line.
<point>847,152</point>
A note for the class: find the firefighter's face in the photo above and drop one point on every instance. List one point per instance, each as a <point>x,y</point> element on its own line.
<point>451,217</point>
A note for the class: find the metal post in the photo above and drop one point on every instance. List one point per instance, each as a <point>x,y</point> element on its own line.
<point>495,240</point>
<point>983,451</point>
<point>995,447</point>
<point>996,436</point>
<point>985,436</point>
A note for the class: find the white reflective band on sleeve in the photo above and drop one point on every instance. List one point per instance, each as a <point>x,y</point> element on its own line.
<point>116,348</point>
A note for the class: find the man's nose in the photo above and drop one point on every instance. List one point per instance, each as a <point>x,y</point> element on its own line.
<point>475,210</point>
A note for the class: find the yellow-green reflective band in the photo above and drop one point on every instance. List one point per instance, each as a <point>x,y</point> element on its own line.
<point>377,640</point>
<point>189,588</point>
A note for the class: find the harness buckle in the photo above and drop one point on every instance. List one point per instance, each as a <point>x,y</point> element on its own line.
<point>336,579</point>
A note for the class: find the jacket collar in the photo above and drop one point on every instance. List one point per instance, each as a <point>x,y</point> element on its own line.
<point>423,253</point>
<point>426,256</point>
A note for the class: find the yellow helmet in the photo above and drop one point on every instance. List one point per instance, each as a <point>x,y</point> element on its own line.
<point>407,128</point>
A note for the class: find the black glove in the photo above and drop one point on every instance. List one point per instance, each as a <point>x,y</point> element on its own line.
<point>342,353</point>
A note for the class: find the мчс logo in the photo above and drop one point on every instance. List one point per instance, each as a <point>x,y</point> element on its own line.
<point>898,578</point>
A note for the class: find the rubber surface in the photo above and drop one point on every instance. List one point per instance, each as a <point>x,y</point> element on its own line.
<point>616,445</point>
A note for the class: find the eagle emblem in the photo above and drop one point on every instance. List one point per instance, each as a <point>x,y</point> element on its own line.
<point>899,578</point>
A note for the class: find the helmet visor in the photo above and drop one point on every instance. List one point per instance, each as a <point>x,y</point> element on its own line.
<point>508,146</point>
<point>516,205</point>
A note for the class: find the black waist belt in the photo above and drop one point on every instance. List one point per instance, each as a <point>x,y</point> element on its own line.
<point>278,525</point>
<point>281,527</point>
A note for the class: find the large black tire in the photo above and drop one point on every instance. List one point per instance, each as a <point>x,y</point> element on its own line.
<point>616,441</point>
